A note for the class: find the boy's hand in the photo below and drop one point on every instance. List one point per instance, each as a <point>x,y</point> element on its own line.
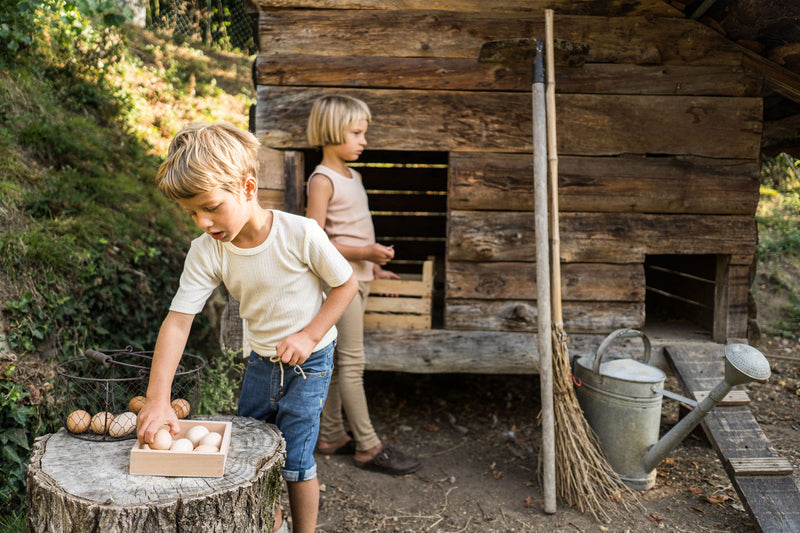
<point>153,416</point>
<point>380,254</point>
<point>296,348</point>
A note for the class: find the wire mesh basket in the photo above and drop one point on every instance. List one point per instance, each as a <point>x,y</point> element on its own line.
<point>102,391</point>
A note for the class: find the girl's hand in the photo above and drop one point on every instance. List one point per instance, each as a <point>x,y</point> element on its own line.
<point>380,273</point>
<point>379,254</point>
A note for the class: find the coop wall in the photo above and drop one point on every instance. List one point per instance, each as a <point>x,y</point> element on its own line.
<point>658,142</point>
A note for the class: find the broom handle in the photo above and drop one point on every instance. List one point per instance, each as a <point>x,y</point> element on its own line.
<point>552,165</point>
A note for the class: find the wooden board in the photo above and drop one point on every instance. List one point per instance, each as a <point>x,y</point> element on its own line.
<point>579,281</point>
<point>583,7</point>
<point>462,74</point>
<point>404,303</point>
<point>521,315</point>
<point>428,33</point>
<point>598,237</point>
<point>480,181</point>
<point>501,122</point>
<point>773,501</point>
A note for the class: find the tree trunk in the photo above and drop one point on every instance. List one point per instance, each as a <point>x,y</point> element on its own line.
<point>76,485</point>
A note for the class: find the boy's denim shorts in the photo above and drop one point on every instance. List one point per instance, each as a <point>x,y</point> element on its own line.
<point>294,407</point>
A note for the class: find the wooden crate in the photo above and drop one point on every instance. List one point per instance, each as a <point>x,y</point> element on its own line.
<point>401,303</point>
<point>184,464</point>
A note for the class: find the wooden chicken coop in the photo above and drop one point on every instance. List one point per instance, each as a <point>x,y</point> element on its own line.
<point>659,139</point>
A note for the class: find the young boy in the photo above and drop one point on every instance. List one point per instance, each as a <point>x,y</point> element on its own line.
<point>274,264</point>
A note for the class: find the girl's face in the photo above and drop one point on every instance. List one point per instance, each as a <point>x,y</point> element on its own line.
<point>356,140</point>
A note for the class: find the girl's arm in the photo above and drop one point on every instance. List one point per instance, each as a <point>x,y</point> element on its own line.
<point>157,410</point>
<point>296,348</point>
<point>320,191</point>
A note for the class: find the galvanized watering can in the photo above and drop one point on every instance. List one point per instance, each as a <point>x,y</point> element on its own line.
<point>621,400</point>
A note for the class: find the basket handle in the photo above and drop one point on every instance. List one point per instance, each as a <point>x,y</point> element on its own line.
<point>98,357</point>
<point>621,334</point>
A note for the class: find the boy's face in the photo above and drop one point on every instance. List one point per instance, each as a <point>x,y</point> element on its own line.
<point>219,213</point>
<point>356,140</point>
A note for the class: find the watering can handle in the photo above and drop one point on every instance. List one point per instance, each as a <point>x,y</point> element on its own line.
<point>98,357</point>
<point>620,334</point>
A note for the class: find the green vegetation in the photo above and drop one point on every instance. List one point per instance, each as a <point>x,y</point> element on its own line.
<point>778,250</point>
<point>90,252</point>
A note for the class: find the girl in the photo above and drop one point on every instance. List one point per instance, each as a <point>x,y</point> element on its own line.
<point>338,202</point>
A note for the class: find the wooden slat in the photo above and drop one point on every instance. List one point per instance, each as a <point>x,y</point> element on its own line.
<point>734,397</point>
<point>597,237</point>
<point>579,281</point>
<point>575,7</point>
<point>399,304</point>
<point>271,199</point>
<point>501,122</point>
<point>412,33</point>
<point>433,73</point>
<point>407,202</point>
<point>396,321</point>
<point>621,184</point>
<point>761,466</point>
<point>772,501</point>
<point>407,225</point>
<point>520,315</point>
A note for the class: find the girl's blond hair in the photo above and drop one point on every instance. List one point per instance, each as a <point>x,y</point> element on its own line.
<point>203,157</point>
<point>331,116</point>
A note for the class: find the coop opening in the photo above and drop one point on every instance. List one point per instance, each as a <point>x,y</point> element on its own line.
<point>407,194</point>
<point>681,290</point>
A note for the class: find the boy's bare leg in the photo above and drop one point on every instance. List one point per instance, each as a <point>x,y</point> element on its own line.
<point>304,501</point>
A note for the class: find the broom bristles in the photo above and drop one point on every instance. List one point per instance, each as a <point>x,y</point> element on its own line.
<point>584,477</point>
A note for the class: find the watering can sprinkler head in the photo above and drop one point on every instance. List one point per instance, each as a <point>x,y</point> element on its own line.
<point>744,364</point>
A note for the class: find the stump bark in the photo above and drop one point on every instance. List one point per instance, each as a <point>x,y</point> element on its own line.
<point>76,485</point>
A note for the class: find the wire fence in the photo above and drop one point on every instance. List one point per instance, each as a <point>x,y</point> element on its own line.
<point>223,23</point>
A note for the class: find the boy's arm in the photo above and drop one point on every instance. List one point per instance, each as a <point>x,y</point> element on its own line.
<point>157,410</point>
<point>296,348</point>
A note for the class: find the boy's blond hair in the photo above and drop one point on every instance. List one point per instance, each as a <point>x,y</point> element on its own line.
<point>331,116</point>
<point>203,157</point>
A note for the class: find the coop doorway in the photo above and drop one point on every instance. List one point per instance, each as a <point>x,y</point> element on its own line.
<point>687,293</point>
<point>407,194</point>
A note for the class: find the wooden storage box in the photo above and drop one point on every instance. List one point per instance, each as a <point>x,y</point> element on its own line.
<point>184,464</point>
<point>401,303</point>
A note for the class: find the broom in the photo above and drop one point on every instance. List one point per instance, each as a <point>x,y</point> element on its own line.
<point>584,477</point>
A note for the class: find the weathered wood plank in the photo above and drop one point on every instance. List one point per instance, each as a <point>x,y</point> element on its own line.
<point>469,75</point>
<point>501,122</point>
<point>597,237</point>
<point>426,33</point>
<point>579,281</point>
<point>773,501</point>
<point>482,181</point>
<point>612,8</point>
<point>520,315</point>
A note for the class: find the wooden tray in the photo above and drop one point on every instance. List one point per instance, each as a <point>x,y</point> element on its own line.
<point>183,464</point>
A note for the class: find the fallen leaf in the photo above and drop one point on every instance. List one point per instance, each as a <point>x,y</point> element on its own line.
<point>430,427</point>
<point>497,474</point>
<point>655,517</point>
<point>695,491</point>
<point>718,498</point>
<point>698,509</point>
<point>528,502</point>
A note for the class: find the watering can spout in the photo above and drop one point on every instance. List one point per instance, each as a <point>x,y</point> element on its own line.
<point>743,364</point>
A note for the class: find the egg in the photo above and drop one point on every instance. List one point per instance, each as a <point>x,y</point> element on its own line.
<point>162,440</point>
<point>212,439</point>
<point>101,422</point>
<point>182,445</point>
<point>196,433</point>
<point>136,404</point>
<point>181,407</point>
<point>123,424</point>
<point>78,421</point>
<point>206,448</point>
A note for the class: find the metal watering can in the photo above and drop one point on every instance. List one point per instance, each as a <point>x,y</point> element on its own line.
<point>621,400</point>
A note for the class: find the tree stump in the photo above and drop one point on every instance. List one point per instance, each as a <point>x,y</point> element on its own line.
<point>79,485</point>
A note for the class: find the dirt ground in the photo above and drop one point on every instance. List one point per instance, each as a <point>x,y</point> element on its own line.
<point>479,440</point>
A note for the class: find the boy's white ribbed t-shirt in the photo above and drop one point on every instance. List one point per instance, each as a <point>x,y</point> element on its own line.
<point>278,284</point>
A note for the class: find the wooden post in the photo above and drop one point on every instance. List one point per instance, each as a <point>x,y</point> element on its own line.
<point>77,485</point>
